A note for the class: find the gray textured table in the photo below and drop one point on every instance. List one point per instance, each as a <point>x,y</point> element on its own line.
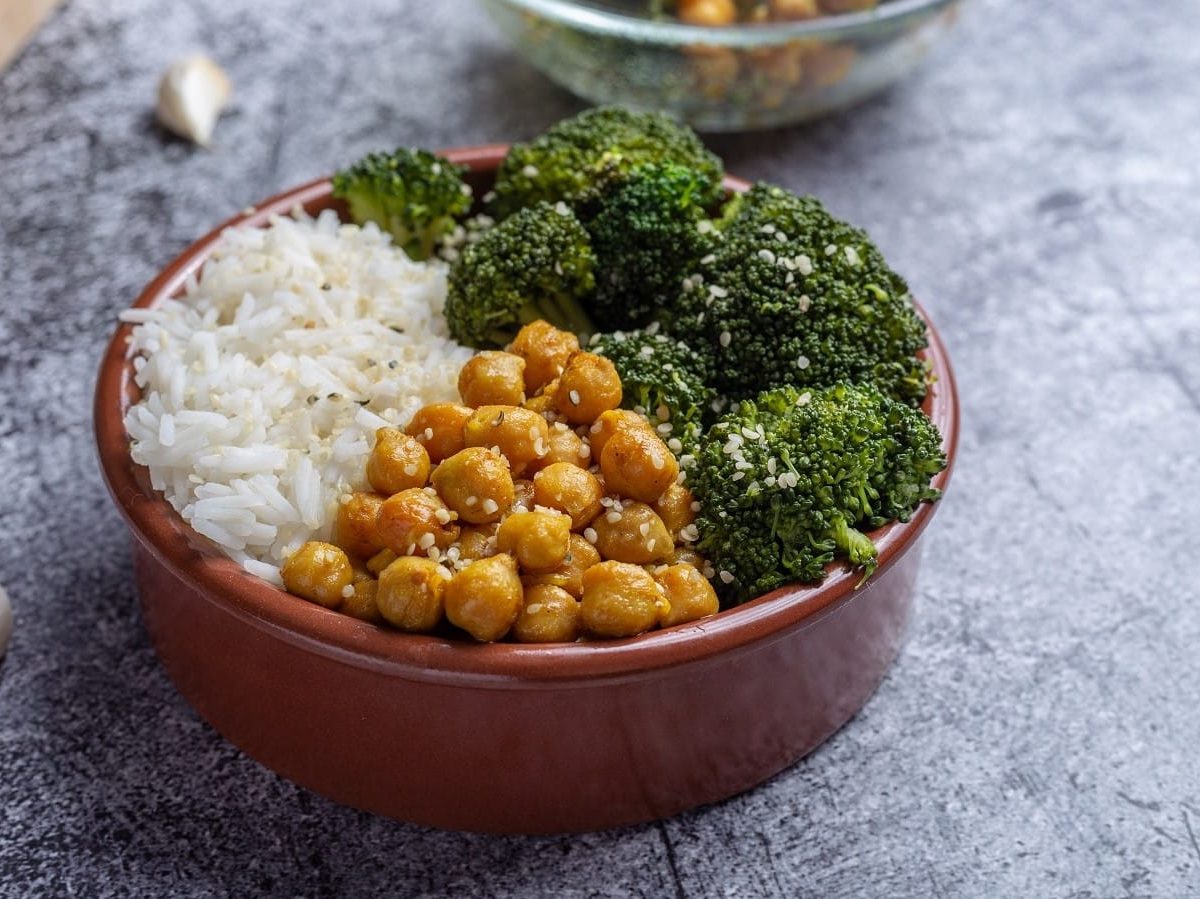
<point>1040,734</point>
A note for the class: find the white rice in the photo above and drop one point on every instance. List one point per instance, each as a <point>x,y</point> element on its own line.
<point>264,385</point>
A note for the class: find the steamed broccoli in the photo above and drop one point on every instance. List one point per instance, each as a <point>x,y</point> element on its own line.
<point>647,237</point>
<point>414,195</point>
<point>535,264</point>
<point>580,158</point>
<point>794,296</point>
<point>664,380</point>
<point>791,479</point>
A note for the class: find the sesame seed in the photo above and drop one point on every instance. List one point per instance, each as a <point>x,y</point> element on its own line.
<point>709,259</point>
<point>426,541</point>
<point>852,256</point>
<point>644,528</point>
<point>725,338</point>
<point>689,533</point>
<point>442,515</point>
<point>830,249</point>
<point>804,303</point>
<point>781,237</point>
<point>771,464</point>
<point>704,226</point>
<point>653,327</point>
<point>589,534</point>
<point>766,255</point>
<point>695,505</point>
<point>665,428</point>
<point>584,451</point>
<point>738,475</point>
<point>411,469</point>
<point>434,553</point>
<point>726,577</point>
<point>428,434</point>
<point>650,544</point>
<point>472,500</point>
<point>595,428</point>
<point>674,445</point>
<point>490,506</point>
<point>658,463</point>
<point>803,399</point>
<point>802,362</point>
<point>347,591</point>
<point>539,447</point>
<point>767,229</point>
<point>804,265</point>
<point>612,517</point>
<point>560,207</point>
<point>530,171</point>
<point>718,291</point>
<point>647,351</point>
<point>533,608</point>
<point>573,396</point>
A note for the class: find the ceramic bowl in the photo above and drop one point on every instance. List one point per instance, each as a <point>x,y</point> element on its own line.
<point>733,78</point>
<point>502,737</point>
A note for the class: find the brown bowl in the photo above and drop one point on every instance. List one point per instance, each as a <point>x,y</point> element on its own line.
<point>502,737</point>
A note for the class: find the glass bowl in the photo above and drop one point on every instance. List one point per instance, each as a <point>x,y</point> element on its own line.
<point>732,78</point>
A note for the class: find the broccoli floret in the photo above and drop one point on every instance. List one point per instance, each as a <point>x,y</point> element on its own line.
<point>662,379</point>
<point>580,158</point>
<point>794,296</point>
<point>647,237</point>
<point>535,264</point>
<point>790,480</point>
<point>414,195</point>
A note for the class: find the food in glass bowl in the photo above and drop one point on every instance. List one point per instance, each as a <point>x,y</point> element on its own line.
<point>607,398</point>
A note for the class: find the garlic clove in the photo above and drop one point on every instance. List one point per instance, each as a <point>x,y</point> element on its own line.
<point>191,95</point>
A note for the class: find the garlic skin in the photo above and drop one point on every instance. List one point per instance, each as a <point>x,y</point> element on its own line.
<point>6,621</point>
<point>191,95</point>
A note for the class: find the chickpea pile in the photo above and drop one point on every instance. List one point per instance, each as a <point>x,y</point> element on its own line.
<point>538,509</point>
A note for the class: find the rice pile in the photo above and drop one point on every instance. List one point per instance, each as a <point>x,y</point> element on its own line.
<point>263,386</point>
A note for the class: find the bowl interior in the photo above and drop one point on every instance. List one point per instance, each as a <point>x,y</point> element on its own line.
<point>174,544</point>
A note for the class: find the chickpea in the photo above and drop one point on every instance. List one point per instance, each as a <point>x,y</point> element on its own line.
<point>380,561</point>
<point>492,378</point>
<point>563,445</point>
<point>581,556</point>
<point>589,385</point>
<point>354,525</point>
<point>475,483</point>
<point>689,593</point>
<point>620,600</point>
<point>415,520</point>
<point>397,462</point>
<point>569,489</point>
<point>362,603</point>
<point>685,555</point>
<point>545,350</point>
<point>633,533</point>
<point>794,9</point>
<point>542,404</point>
<point>677,508</point>
<point>439,428</point>
<point>520,434</point>
<point>477,541</point>
<point>638,464</point>
<point>320,573</point>
<point>485,598</point>
<point>539,540</point>
<point>609,423</point>
<point>411,593</point>
<point>551,615</point>
<point>712,13</point>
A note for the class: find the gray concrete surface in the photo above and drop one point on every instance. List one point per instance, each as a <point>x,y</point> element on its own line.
<point>1039,184</point>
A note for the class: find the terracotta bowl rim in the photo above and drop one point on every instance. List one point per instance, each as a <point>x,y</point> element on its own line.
<point>431,658</point>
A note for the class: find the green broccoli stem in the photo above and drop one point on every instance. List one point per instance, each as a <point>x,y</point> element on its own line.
<point>561,311</point>
<point>856,545</point>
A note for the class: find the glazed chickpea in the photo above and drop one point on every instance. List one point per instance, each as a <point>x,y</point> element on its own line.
<point>492,378</point>
<point>539,540</point>
<point>795,9</point>
<point>362,603</point>
<point>411,593</point>
<point>608,424</point>
<point>569,489</point>
<point>439,428</point>
<point>380,561</point>
<point>677,508</point>
<point>638,464</point>
<point>589,385</point>
<point>520,434</point>
<point>415,520</point>
<point>320,573</point>
<point>475,483</point>
<point>551,615</point>
<point>477,541</point>
<point>581,556</point>
<point>685,555</point>
<point>634,533</point>
<point>397,462</point>
<point>545,350</point>
<point>689,593</point>
<point>620,600</point>
<point>713,13</point>
<point>563,445</point>
<point>354,525</point>
<point>485,598</point>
